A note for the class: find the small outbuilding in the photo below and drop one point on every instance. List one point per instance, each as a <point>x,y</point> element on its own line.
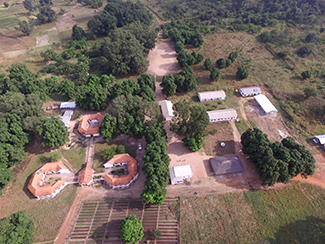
<point>265,104</point>
<point>68,105</point>
<point>211,95</point>
<point>85,176</point>
<point>319,139</point>
<point>229,164</point>
<point>66,117</point>
<point>167,109</point>
<point>222,115</point>
<point>89,125</point>
<point>250,91</point>
<point>179,173</point>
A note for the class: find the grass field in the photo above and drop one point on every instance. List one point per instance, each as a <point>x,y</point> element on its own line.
<point>291,215</point>
<point>47,214</point>
<point>75,155</point>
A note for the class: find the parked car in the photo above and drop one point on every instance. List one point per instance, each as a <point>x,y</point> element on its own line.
<point>139,146</point>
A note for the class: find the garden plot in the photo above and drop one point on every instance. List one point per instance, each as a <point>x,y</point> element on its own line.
<point>99,221</point>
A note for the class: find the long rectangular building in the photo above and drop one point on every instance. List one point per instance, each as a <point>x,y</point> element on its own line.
<point>250,91</point>
<point>222,115</point>
<point>211,95</point>
<point>265,104</point>
<point>167,109</point>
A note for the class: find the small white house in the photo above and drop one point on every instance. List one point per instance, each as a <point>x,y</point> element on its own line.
<point>67,117</point>
<point>211,95</point>
<point>250,91</point>
<point>70,105</point>
<point>222,115</point>
<point>265,104</point>
<point>179,173</point>
<point>319,139</point>
<point>167,109</point>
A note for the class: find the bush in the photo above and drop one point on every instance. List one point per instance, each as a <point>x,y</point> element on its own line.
<point>55,156</point>
<point>6,4</point>
<point>109,152</point>
<point>306,74</point>
<point>215,74</point>
<point>242,72</point>
<point>221,63</point>
<point>107,236</point>
<point>96,235</point>
<point>156,233</point>
<point>120,149</point>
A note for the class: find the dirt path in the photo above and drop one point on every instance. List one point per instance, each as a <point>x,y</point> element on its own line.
<point>241,103</point>
<point>160,21</point>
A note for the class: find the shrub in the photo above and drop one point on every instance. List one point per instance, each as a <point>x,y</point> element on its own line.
<point>96,235</point>
<point>242,72</point>
<point>6,4</point>
<point>156,233</point>
<point>306,74</point>
<point>221,62</point>
<point>107,236</point>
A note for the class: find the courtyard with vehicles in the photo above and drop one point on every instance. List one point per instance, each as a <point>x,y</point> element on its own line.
<point>128,121</point>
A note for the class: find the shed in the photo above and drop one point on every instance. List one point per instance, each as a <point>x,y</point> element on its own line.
<point>71,105</point>
<point>222,115</point>
<point>179,173</point>
<point>211,95</point>
<point>89,125</point>
<point>267,107</point>
<point>250,91</point>
<point>167,109</point>
<point>319,139</point>
<point>67,117</point>
<point>229,164</point>
<point>85,176</point>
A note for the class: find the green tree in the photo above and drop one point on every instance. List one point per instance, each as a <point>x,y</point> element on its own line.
<point>208,64</point>
<point>5,176</point>
<point>242,72</point>
<point>131,229</point>
<point>306,74</point>
<point>221,62</point>
<point>46,14</point>
<point>147,80</point>
<point>25,27</point>
<point>179,46</point>
<point>232,56</point>
<point>53,132</point>
<point>45,2</point>
<point>78,33</point>
<point>310,92</point>
<point>108,152</point>
<point>228,62</point>
<point>17,228</point>
<point>29,5</point>
<point>6,4</point>
<point>168,85</point>
<point>215,74</point>
<point>108,128</point>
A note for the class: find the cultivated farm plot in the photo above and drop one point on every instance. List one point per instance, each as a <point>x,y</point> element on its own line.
<point>103,219</point>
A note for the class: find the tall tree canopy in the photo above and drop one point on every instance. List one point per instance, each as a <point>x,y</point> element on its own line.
<point>131,229</point>
<point>53,132</point>
<point>17,229</point>
<point>277,162</point>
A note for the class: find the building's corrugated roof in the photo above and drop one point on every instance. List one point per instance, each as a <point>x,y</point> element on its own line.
<point>250,90</point>
<point>85,175</point>
<point>180,171</point>
<point>67,117</point>
<point>34,184</point>
<point>68,105</point>
<point>229,164</point>
<point>223,113</point>
<point>83,124</point>
<point>265,103</point>
<point>167,108</point>
<point>321,139</point>
<point>211,94</point>
<point>132,168</point>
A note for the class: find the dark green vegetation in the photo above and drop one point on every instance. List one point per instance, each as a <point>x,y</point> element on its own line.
<point>190,122</point>
<point>131,229</point>
<point>53,132</point>
<point>108,152</point>
<point>273,216</point>
<point>156,162</point>
<point>17,228</point>
<point>277,162</point>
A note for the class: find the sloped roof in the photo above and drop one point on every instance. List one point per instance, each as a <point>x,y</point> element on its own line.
<point>83,124</point>
<point>229,164</point>
<point>250,90</point>
<point>222,113</point>
<point>68,105</point>
<point>321,139</point>
<point>211,94</point>
<point>67,117</point>
<point>265,103</point>
<point>85,175</point>
<point>132,168</point>
<point>167,108</point>
<point>34,184</point>
<point>180,171</point>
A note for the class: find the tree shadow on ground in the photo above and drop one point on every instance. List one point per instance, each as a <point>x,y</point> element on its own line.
<point>309,230</point>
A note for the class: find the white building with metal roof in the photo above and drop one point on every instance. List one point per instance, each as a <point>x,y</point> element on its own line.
<point>319,139</point>
<point>167,109</point>
<point>67,117</point>
<point>70,105</point>
<point>222,115</point>
<point>250,91</point>
<point>267,107</point>
<point>211,95</point>
<point>179,173</point>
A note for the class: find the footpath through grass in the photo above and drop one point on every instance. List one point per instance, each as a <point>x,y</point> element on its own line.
<point>292,215</point>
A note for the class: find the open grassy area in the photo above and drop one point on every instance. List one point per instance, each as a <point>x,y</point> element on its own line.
<point>291,215</point>
<point>47,214</point>
<point>75,155</point>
